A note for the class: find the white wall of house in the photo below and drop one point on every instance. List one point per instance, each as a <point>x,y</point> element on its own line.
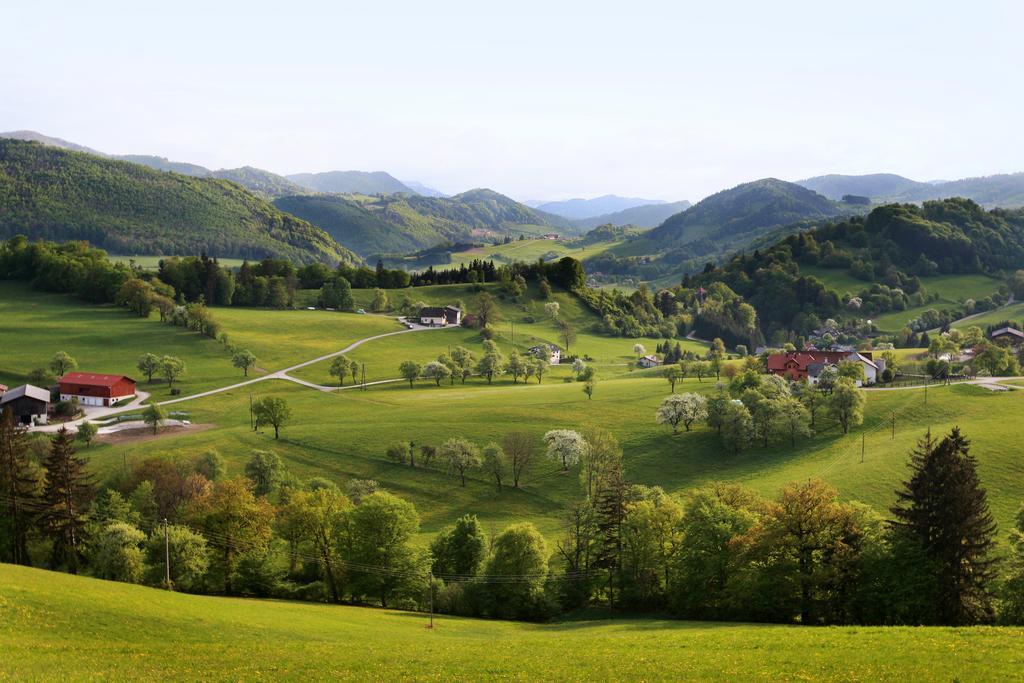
<point>434,322</point>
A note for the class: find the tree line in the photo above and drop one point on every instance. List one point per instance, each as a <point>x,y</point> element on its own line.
<point>716,552</point>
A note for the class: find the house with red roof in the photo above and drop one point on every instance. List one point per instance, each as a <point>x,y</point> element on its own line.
<point>92,389</point>
<point>798,365</point>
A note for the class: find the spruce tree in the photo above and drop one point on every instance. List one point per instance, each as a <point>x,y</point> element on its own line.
<point>943,511</point>
<point>18,491</point>
<point>67,495</point>
<point>609,514</point>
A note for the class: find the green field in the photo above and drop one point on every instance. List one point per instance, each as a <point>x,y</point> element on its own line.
<point>528,251</point>
<point>344,435</point>
<point>153,262</point>
<point>109,339</point>
<point>59,627</point>
<point>1011,312</point>
<point>952,290</point>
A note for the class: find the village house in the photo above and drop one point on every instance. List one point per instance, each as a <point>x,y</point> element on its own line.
<point>436,316</point>
<point>649,362</point>
<point>1014,337</point>
<point>552,353</point>
<point>95,390</point>
<point>27,403</point>
<point>799,365</point>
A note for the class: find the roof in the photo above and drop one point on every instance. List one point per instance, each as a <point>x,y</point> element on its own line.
<point>432,312</point>
<point>803,359</point>
<point>1007,330</point>
<point>94,380</point>
<point>453,308</point>
<point>26,390</point>
<point>549,347</point>
<point>651,359</point>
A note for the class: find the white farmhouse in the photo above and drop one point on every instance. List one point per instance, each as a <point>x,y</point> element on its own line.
<point>437,316</point>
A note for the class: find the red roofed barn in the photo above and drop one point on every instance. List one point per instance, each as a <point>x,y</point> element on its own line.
<point>95,390</point>
<point>795,366</point>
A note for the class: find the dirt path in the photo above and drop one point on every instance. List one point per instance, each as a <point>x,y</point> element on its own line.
<point>130,436</point>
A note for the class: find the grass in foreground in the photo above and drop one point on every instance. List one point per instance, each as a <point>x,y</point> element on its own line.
<point>57,626</point>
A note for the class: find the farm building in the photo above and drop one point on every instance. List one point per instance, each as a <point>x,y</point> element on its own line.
<point>436,316</point>
<point>549,351</point>
<point>809,364</point>
<point>27,403</point>
<point>1015,337</point>
<point>96,390</point>
<point>648,362</point>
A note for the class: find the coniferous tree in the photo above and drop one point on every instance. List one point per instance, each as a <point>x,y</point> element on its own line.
<point>67,495</point>
<point>609,515</point>
<point>943,511</point>
<point>18,491</point>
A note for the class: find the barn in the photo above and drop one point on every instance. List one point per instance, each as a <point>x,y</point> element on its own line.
<point>96,390</point>
<point>27,403</point>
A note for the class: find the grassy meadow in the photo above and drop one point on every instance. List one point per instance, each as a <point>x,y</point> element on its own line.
<point>528,251</point>
<point>108,339</point>
<point>116,631</point>
<point>952,290</point>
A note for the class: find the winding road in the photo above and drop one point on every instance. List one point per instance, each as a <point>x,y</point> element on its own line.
<point>97,414</point>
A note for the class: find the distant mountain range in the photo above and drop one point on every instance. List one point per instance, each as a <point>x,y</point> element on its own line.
<point>401,223</point>
<point>425,190</point>
<point>644,216</point>
<point>577,209</point>
<point>1005,190</point>
<point>127,208</point>
<point>259,181</point>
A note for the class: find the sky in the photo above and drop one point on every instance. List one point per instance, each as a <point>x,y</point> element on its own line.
<point>537,100</point>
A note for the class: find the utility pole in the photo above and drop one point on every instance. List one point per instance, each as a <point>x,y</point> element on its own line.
<point>251,425</point>
<point>862,437</point>
<point>430,578</point>
<point>167,556</point>
<point>926,382</point>
<point>363,382</point>
<point>893,425</point>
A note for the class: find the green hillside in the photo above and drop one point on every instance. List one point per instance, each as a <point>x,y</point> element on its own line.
<point>50,193</point>
<point>350,182</point>
<point>743,209</point>
<point>646,216</point>
<point>258,181</point>
<point>401,223</point>
<point>835,186</point>
<point>115,631</point>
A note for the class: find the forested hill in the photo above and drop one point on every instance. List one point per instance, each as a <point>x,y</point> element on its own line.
<point>351,182</point>
<point>400,223</point>
<point>752,206</point>
<point>889,250</point>
<point>52,193</point>
<point>646,216</point>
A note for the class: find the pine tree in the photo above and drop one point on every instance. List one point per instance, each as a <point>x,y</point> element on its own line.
<point>609,515</point>
<point>944,511</point>
<point>18,491</point>
<point>67,495</point>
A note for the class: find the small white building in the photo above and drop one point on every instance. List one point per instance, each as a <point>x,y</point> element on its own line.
<point>872,368</point>
<point>649,362</point>
<point>552,353</point>
<point>437,316</point>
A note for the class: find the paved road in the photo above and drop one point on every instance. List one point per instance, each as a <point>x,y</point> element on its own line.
<point>101,413</point>
<point>987,382</point>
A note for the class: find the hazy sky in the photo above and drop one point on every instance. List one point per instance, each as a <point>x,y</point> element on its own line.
<point>670,100</point>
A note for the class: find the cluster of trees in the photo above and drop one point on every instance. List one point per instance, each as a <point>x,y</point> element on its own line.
<point>986,357</point>
<point>719,552</point>
<point>461,363</point>
<point>508,462</point>
<point>756,408</point>
<point>711,311</point>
